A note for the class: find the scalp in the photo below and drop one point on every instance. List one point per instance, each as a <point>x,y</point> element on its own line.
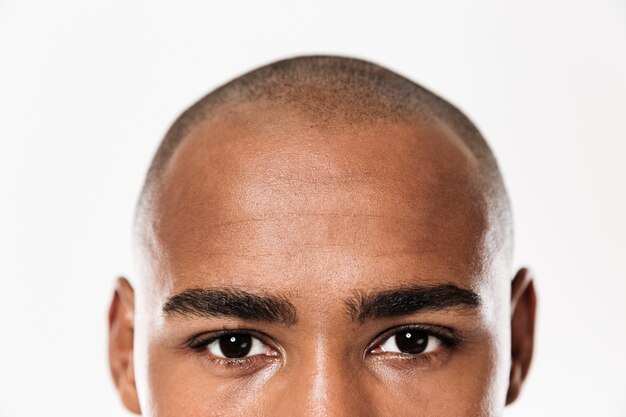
<point>331,91</point>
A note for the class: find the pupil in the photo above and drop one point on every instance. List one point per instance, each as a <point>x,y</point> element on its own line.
<point>412,341</point>
<point>236,345</point>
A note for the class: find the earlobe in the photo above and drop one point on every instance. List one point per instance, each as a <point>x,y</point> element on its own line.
<point>523,309</point>
<point>121,334</point>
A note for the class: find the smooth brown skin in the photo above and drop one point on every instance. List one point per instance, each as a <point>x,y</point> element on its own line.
<point>266,201</point>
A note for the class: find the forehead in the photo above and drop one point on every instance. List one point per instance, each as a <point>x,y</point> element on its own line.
<point>268,199</point>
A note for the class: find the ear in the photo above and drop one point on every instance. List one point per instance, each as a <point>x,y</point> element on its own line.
<point>523,307</point>
<point>121,333</point>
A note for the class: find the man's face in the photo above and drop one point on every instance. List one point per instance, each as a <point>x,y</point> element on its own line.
<point>298,271</point>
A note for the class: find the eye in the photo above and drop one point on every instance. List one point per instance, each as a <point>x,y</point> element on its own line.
<point>237,346</point>
<point>409,341</point>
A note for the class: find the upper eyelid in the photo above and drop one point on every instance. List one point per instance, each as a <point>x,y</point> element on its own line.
<point>204,339</point>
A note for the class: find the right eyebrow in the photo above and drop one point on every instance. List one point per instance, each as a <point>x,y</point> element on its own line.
<point>229,302</point>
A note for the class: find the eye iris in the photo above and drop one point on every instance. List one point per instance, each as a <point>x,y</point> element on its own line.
<point>236,345</point>
<point>411,341</point>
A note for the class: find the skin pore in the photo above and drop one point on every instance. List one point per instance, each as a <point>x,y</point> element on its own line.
<point>347,271</point>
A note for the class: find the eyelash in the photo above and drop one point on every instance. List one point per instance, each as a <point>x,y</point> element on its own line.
<point>448,338</point>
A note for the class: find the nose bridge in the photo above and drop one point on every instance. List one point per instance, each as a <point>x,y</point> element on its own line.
<point>325,383</point>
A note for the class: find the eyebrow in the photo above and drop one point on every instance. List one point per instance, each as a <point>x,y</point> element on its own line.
<point>229,302</point>
<point>411,300</point>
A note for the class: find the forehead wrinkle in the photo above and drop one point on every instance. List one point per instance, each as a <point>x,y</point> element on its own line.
<point>272,246</point>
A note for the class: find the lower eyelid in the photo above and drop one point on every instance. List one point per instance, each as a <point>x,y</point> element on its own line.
<point>247,364</point>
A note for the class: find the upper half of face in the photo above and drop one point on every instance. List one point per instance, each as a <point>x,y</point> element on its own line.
<point>335,223</point>
<point>261,198</point>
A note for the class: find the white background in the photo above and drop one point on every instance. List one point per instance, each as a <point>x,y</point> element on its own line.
<point>87,89</point>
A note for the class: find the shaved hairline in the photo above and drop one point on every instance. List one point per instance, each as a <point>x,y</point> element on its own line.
<point>337,91</point>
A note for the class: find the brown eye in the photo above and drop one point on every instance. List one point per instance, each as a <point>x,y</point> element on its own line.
<point>408,341</point>
<point>236,346</point>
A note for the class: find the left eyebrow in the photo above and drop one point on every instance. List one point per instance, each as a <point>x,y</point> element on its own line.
<point>410,300</point>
